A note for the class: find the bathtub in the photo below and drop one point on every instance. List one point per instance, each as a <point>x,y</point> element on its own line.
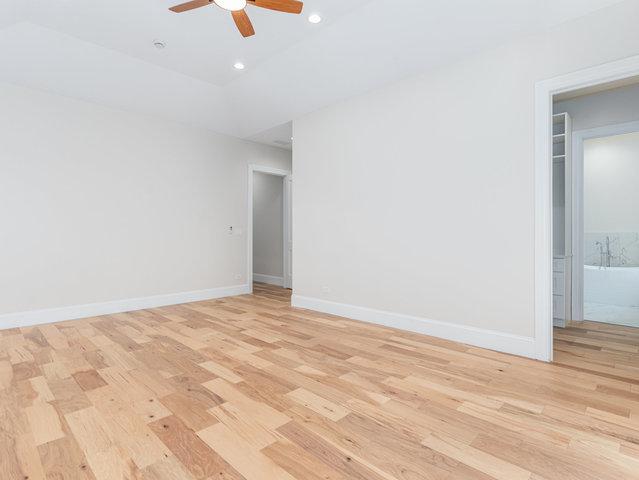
<point>612,285</point>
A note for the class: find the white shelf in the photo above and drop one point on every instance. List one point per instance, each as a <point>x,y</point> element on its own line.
<point>559,138</point>
<point>559,117</point>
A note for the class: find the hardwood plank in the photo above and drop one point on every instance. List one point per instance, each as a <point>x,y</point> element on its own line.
<point>297,461</point>
<point>249,462</point>
<point>195,455</point>
<point>318,404</point>
<point>45,422</point>
<point>475,458</point>
<point>89,380</point>
<point>221,371</point>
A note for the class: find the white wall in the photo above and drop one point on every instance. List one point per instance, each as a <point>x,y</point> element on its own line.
<point>611,107</point>
<point>611,184</point>
<point>99,205</point>
<point>418,198</point>
<point>268,225</point>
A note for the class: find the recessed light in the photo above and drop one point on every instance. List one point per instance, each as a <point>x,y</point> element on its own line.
<point>231,5</point>
<point>315,18</point>
<point>239,66</point>
<point>159,44</point>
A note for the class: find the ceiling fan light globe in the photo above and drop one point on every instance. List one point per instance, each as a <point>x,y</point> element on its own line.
<point>231,5</point>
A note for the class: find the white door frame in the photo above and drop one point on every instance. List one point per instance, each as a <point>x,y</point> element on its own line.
<point>545,90</point>
<point>287,204</point>
<point>578,138</point>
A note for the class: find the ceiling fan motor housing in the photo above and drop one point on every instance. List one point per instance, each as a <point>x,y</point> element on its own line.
<point>231,5</point>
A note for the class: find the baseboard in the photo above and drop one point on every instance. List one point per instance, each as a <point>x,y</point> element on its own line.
<point>478,337</point>
<point>270,279</point>
<point>74,312</point>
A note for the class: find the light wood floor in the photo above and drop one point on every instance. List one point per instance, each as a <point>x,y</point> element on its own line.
<point>249,388</point>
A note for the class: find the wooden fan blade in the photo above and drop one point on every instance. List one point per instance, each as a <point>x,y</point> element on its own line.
<point>243,23</point>
<point>288,6</point>
<point>183,7</point>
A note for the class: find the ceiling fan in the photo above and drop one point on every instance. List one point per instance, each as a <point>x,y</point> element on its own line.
<point>237,9</point>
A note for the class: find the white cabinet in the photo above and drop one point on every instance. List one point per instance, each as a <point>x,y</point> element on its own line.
<point>558,284</point>
<point>558,265</point>
<point>560,304</point>
<point>559,310</point>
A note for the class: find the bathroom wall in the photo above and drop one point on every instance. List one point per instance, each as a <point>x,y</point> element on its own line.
<point>611,196</point>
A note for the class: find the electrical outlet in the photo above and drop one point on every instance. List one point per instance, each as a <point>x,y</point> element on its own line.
<point>238,276</point>
<point>326,289</point>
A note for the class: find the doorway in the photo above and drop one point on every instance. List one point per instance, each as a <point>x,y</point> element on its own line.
<point>596,228</point>
<point>595,225</point>
<point>549,285</point>
<point>270,242</point>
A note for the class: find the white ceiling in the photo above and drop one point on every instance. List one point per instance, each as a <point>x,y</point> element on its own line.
<point>203,43</point>
<point>102,51</point>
